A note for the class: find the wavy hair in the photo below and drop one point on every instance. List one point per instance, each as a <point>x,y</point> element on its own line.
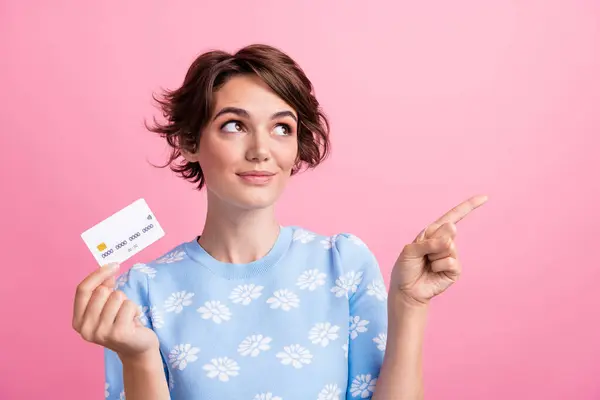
<point>188,109</point>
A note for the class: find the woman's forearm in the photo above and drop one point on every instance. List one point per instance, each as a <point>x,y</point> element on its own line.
<point>401,376</point>
<point>144,378</point>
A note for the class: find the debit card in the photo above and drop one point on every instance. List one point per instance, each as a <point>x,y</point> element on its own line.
<point>123,234</point>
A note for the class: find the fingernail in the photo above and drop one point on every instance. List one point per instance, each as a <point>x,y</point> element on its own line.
<point>113,266</point>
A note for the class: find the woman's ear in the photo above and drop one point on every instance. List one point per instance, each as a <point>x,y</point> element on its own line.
<point>189,148</point>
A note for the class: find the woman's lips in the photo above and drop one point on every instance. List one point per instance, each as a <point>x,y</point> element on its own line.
<point>256,177</point>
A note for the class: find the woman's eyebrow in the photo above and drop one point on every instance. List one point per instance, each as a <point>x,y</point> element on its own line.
<point>232,110</point>
<point>243,113</point>
<point>284,114</point>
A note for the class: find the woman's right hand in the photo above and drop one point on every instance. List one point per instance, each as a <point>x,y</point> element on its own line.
<point>106,317</point>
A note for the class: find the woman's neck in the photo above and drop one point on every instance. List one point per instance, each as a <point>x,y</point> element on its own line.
<point>238,236</point>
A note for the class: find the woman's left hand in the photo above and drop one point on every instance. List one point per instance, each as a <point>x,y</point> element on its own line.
<point>429,265</point>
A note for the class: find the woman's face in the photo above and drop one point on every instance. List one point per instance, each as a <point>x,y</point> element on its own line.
<point>249,147</point>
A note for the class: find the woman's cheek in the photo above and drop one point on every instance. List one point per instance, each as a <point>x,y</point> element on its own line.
<point>289,154</point>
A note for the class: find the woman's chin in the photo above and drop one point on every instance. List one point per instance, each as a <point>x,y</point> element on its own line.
<point>246,197</point>
<point>254,201</point>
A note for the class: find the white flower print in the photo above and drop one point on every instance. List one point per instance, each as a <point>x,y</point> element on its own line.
<point>216,311</point>
<point>156,318</point>
<point>377,289</point>
<point>345,347</point>
<point>381,341</point>
<point>253,345</point>
<point>329,242</point>
<point>295,355</point>
<point>356,240</point>
<point>223,368</point>
<point>347,283</point>
<point>143,315</point>
<point>311,279</point>
<point>177,301</point>
<point>245,293</point>
<point>357,326</point>
<point>122,395</point>
<point>145,269</point>
<point>322,333</point>
<point>106,392</point>
<point>363,386</point>
<point>171,257</point>
<point>284,299</point>
<point>303,236</point>
<point>266,396</point>
<point>330,392</point>
<point>183,354</point>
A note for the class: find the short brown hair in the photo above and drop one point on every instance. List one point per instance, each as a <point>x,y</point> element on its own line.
<point>187,109</point>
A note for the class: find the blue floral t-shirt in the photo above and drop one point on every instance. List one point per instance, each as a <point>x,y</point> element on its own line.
<point>306,321</point>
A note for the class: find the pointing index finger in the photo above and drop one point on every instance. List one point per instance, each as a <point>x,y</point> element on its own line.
<point>461,210</point>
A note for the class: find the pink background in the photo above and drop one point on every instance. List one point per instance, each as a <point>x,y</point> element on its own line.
<point>430,103</point>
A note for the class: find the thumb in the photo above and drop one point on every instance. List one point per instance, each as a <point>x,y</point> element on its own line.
<point>111,281</point>
<point>429,246</point>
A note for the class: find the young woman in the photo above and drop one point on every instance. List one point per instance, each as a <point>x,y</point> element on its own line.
<point>251,309</point>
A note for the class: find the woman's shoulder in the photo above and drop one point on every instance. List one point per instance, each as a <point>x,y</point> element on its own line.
<point>348,258</point>
<point>301,233</point>
<point>343,242</point>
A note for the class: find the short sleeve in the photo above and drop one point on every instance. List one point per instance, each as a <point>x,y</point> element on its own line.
<point>367,296</point>
<point>134,284</point>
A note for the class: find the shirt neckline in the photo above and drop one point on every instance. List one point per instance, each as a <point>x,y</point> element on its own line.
<point>233,271</point>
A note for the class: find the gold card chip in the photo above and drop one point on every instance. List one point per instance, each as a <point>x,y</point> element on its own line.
<point>101,246</point>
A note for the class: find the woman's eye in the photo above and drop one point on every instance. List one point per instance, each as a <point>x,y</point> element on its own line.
<point>232,126</point>
<point>282,130</point>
